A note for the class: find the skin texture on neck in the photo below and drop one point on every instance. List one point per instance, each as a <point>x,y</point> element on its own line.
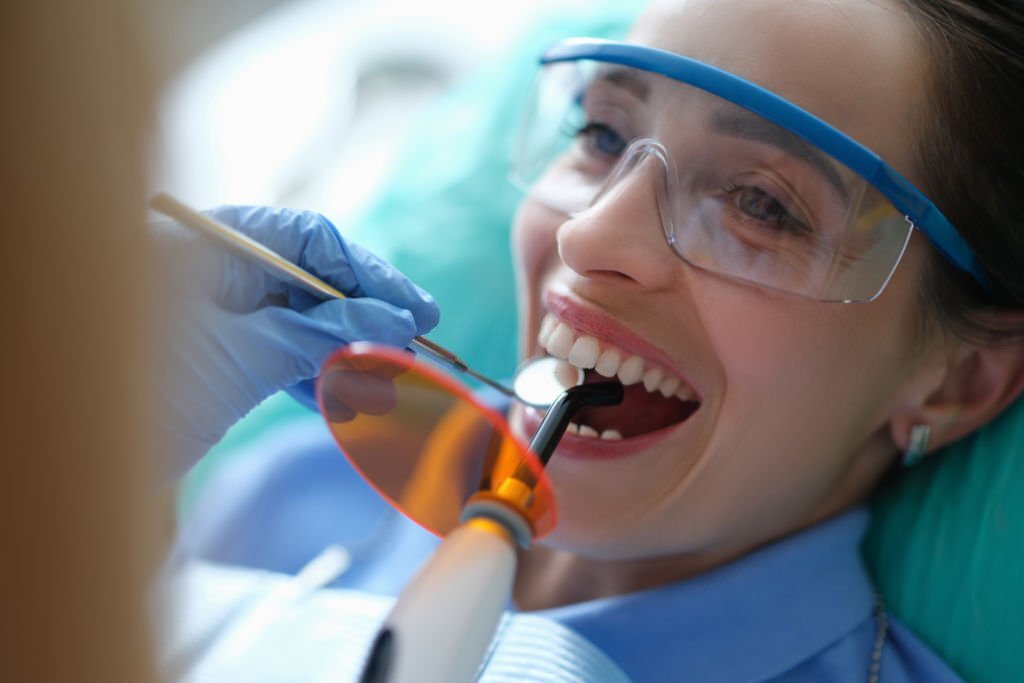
<point>550,578</point>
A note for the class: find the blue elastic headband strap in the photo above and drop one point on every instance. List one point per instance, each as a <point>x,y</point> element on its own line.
<point>904,196</point>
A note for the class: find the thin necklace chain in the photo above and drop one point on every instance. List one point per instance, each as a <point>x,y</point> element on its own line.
<point>881,631</point>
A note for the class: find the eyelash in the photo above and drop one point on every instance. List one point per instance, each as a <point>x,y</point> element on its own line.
<point>591,129</point>
<point>787,221</point>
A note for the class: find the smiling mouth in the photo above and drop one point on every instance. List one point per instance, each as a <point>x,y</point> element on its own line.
<point>654,397</point>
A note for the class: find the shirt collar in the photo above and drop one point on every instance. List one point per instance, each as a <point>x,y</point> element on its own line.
<point>752,619</point>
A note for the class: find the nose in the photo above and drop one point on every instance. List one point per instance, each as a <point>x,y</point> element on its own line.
<point>620,236</point>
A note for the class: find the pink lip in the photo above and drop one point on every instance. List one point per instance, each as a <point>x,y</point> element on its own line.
<point>590,448</point>
<point>587,321</point>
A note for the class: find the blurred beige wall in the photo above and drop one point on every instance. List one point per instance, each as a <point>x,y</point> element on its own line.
<point>80,531</point>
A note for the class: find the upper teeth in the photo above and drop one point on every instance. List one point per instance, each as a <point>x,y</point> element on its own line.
<point>586,352</point>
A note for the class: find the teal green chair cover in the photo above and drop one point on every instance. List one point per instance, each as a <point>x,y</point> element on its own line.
<point>946,546</point>
<point>947,542</point>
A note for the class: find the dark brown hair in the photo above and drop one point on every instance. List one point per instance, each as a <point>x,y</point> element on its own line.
<point>971,158</point>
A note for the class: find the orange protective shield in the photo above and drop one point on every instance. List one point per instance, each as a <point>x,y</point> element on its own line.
<point>424,441</point>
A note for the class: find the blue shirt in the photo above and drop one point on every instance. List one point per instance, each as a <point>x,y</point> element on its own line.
<point>800,609</point>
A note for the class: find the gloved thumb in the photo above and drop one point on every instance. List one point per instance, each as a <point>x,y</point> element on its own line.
<point>351,320</point>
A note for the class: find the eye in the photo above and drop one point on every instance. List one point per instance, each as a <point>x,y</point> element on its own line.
<point>602,139</point>
<point>756,204</point>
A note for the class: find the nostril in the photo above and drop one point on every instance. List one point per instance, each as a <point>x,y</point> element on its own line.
<point>612,275</point>
<point>597,250</point>
<point>619,240</point>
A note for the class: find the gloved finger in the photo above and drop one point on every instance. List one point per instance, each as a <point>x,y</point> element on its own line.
<point>304,238</point>
<point>358,272</point>
<point>287,346</point>
<point>355,320</point>
<point>313,243</point>
<point>379,279</point>
<point>192,265</point>
<point>305,393</point>
<point>243,284</point>
<point>347,392</point>
<point>189,264</point>
<point>364,320</point>
<point>358,385</point>
<point>335,410</point>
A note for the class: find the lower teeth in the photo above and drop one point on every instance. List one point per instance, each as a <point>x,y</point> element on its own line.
<point>588,431</point>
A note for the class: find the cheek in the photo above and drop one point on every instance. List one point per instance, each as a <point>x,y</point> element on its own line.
<point>806,385</point>
<point>533,239</point>
<point>794,360</point>
<point>760,343</point>
<point>535,251</point>
<point>820,356</point>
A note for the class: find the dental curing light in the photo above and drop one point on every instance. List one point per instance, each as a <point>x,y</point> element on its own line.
<point>440,627</point>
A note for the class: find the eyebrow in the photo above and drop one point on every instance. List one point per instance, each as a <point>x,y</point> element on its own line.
<point>738,122</point>
<point>627,80</point>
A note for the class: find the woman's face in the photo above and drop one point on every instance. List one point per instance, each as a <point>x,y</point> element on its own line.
<point>795,396</point>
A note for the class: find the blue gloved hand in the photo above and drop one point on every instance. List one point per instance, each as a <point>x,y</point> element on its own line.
<point>238,334</point>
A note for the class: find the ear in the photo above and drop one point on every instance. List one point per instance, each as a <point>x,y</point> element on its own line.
<point>979,382</point>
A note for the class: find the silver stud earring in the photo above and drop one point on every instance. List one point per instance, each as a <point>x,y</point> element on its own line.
<point>918,443</point>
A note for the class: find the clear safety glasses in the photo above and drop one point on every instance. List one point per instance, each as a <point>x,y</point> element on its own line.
<point>747,184</point>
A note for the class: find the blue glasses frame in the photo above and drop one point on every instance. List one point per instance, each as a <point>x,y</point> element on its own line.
<point>917,208</point>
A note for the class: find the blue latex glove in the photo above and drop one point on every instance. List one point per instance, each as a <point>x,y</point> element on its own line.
<point>238,334</point>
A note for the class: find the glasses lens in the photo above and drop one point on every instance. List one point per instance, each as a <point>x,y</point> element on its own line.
<point>424,442</point>
<point>737,194</point>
